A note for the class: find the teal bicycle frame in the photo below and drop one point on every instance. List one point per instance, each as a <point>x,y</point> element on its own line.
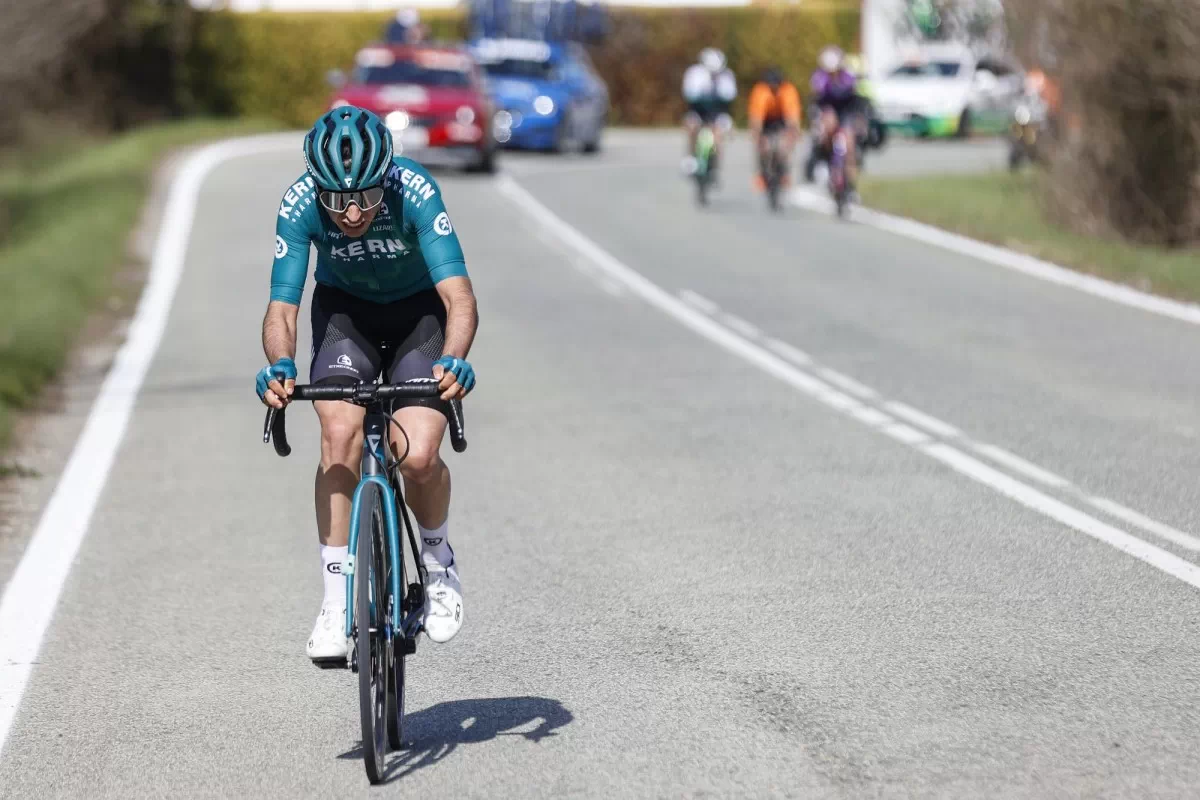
<point>375,468</point>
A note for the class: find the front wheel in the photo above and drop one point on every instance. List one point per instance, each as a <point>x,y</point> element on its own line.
<point>965,123</point>
<point>371,626</point>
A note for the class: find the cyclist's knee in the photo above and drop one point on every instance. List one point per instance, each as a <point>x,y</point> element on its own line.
<point>341,435</point>
<point>422,463</point>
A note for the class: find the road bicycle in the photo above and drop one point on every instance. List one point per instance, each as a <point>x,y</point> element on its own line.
<point>383,610</point>
<point>774,168</point>
<point>706,162</point>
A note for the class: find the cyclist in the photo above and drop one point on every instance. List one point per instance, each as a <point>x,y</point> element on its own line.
<point>773,110</point>
<point>392,297</point>
<point>835,94</point>
<point>709,88</point>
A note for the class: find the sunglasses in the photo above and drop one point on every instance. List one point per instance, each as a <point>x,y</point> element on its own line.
<point>337,202</point>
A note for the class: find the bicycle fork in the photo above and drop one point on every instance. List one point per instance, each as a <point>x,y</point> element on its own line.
<point>373,473</point>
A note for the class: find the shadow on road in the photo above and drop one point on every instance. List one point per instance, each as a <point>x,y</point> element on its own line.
<point>435,732</point>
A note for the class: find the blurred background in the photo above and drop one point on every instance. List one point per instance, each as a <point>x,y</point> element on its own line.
<point>1099,95</point>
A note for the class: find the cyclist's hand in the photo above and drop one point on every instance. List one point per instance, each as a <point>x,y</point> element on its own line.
<point>455,377</point>
<point>275,383</point>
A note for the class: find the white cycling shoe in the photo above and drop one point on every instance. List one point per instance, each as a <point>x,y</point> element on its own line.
<point>328,639</point>
<point>443,603</point>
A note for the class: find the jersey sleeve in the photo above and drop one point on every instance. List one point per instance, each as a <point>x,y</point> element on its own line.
<point>727,86</point>
<point>789,98</point>
<point>426,218</point>
<point>292,238</point>
<point>759,103</point>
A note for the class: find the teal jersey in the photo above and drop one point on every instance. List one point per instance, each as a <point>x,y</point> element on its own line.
<point>409,248</point>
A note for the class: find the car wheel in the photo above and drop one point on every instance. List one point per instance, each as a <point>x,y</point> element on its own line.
<point>593,147</point>
<point>964,124</point>
<point>564,135</point>
<point>486,163</point>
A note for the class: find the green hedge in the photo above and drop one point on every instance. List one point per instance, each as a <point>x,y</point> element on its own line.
<point>274,64</point>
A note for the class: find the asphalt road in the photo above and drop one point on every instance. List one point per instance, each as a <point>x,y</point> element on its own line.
<point>685,577</point>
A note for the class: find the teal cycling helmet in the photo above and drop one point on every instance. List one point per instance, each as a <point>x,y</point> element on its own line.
<point>349,149</point>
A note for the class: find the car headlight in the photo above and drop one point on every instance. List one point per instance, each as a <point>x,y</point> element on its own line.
<point>465,115</point>
<point>397,120</point>
<point>543,105</point>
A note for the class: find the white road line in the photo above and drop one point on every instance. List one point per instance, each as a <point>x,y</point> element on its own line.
<point>903,433</point>
<point>770,363</point>
<point>1185,540</point>
<point>740,326</point>
<point>846,382</point>
<point>922,420</point>
<point>1067,515</point>
<point>1018,464</point>
<point>1009,259</point>
<point>28,603</point>
<point>871,416</point>
<point>699,301</point>
<point>787,351</point>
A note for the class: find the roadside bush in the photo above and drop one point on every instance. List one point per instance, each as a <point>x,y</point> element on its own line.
<point>1129,160</point>
<point>273,64</point>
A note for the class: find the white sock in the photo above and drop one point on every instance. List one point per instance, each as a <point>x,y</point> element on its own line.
<point>435,546</point>
<point>331,567</point>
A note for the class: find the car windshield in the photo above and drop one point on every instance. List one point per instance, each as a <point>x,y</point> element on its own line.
<point>410,72</point>
<point>520,68</point>
<point>932,69</point>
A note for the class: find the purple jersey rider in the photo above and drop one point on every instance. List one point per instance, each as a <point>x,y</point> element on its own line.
<point>835,89</point>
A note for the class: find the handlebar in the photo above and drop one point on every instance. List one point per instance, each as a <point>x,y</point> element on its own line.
<point>274,428</point>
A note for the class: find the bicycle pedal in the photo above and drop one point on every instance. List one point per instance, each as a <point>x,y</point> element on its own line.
<point>408,646</point>
<point>416,596</point>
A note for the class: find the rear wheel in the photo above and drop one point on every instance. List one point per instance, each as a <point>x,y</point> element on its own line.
<point>774,177</point>
<point>965,123</point>
<point>370,612</point>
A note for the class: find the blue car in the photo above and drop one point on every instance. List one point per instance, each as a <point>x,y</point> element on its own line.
<point>547,95</point>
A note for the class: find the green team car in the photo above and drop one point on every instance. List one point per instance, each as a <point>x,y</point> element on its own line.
<point>945,90</point>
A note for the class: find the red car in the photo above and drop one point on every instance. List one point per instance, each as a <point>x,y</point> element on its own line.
<point>430,97</point>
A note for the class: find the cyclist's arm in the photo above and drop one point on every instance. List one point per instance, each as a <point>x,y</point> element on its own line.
<point>462,315</point>
<point>790,101</point>
<point>287,277</point>
<point>279,331</point>
<point>756,110</point>
<point>447,269</point>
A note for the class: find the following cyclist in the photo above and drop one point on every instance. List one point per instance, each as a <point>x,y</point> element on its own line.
<point>835,95</point>
<point>773,110</point>
<point>709,88</point>
<point>392,297</point>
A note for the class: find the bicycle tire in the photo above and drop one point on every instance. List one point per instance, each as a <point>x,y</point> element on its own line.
<point>774,179</point>
<point>370,639</point>
<point>396,656</point>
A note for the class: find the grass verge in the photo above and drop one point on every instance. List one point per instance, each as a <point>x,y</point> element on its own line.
<point>1003,208</point>
<point>66,214</point>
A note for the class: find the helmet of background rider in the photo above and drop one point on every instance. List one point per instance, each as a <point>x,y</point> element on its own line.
<point>830,58</point>
<point>712,59</point>
<point>348,149</point>
<point>855,66</point>
<point>773,77</point>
